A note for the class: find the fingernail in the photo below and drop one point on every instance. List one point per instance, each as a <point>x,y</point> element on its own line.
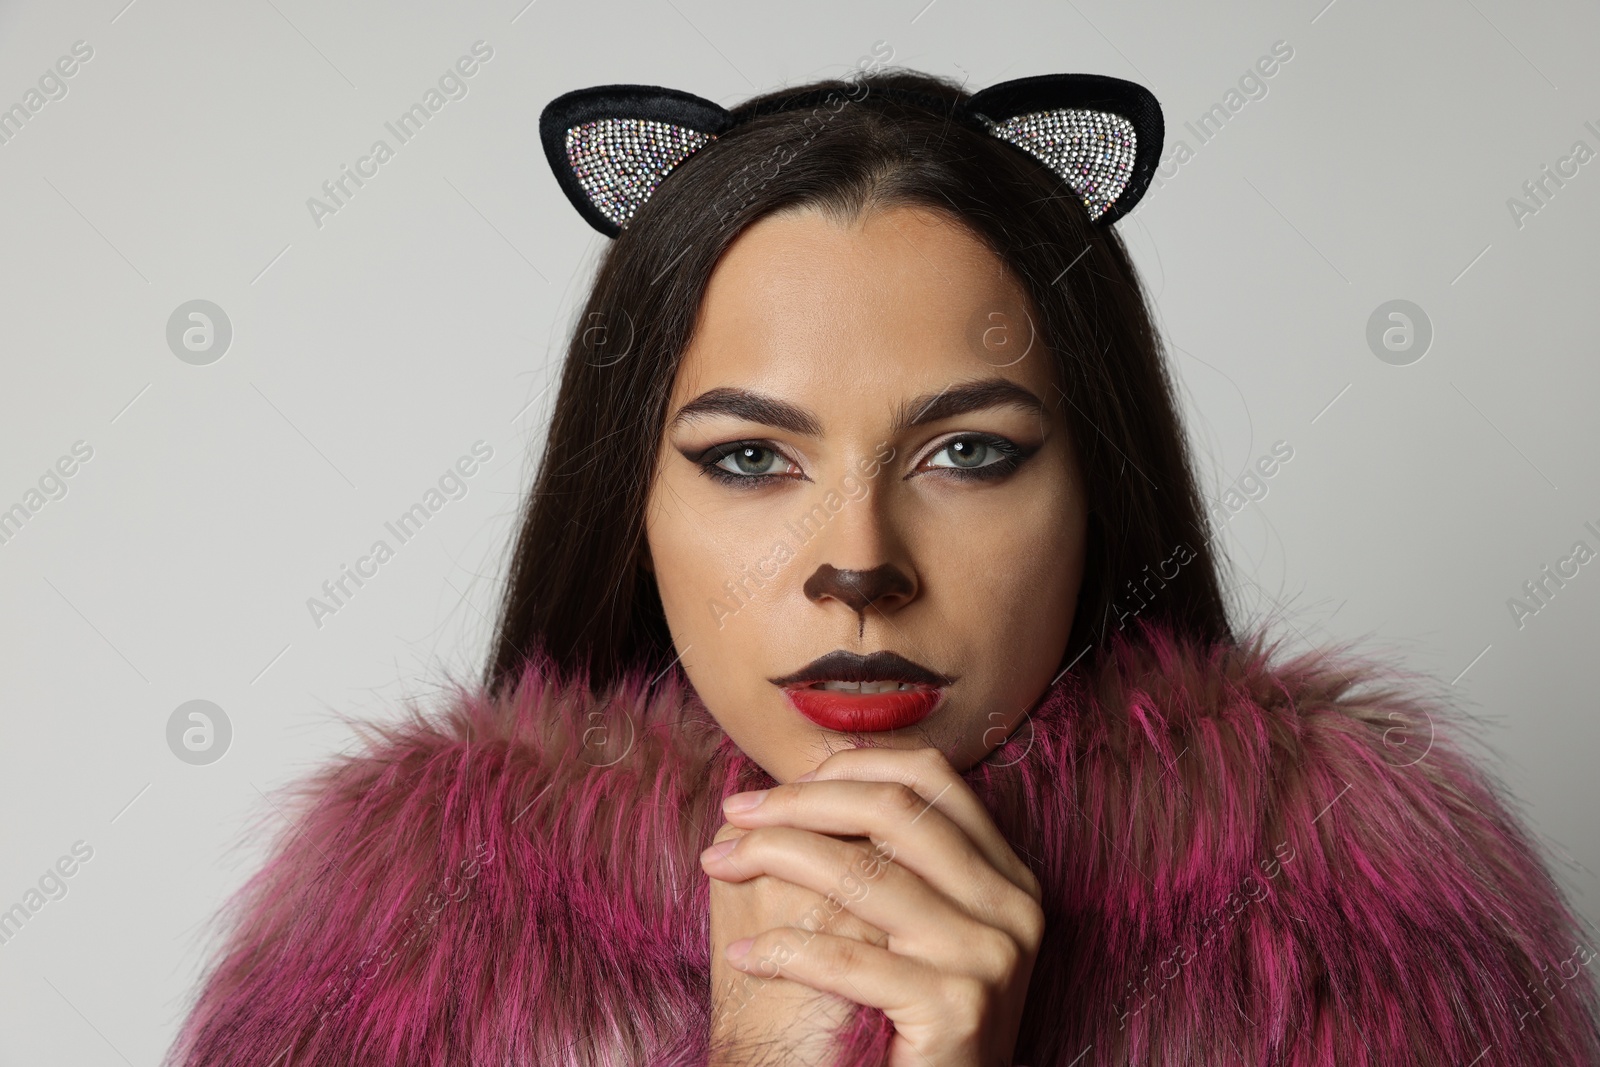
<point>719,850</point>
<point>737,950</point>
<point>806,777</point>
<point>744,801</point>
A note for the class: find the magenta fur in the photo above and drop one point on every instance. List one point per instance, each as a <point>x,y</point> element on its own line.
<point>1247,858</point>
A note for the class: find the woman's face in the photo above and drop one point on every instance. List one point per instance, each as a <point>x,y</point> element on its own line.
<point>866,455</point>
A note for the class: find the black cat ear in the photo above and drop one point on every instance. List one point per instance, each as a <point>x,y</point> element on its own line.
<point>610,146</point>
<point>1101,135</point>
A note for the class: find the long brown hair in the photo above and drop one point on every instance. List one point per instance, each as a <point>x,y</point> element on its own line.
<point>576,589</point>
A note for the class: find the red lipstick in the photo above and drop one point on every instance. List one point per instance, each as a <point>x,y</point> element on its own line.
<point>816,692</point>
<point>848,712</point>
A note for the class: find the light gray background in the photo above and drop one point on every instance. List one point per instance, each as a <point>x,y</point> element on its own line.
<point>430,311</point>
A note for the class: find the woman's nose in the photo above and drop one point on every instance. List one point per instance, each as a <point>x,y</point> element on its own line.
<point>859,590</point>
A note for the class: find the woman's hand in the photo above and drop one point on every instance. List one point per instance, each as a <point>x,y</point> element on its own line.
<point>898,840</point>
<point>758,1015</point>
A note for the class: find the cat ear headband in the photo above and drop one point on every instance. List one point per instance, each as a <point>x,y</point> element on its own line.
<point>610,146</point>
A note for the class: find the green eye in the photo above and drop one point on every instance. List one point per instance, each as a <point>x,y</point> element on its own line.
<point>743,463</point>
<point>968,452</point>
<point>749,459</point>
<point>979,456</point>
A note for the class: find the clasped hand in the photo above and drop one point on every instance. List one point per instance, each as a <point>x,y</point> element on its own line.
<point>879,878</point>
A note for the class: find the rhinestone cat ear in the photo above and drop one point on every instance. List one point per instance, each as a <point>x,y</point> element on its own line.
<point>1100,135</point>
<point>611,146</point>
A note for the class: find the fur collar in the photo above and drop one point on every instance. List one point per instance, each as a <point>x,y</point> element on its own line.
<point>1246,858</point>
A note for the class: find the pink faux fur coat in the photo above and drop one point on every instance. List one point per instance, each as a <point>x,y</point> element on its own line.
<point>1246,859</point>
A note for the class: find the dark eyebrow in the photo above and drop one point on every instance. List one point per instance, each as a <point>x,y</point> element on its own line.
<point>968,396</point>
<point>930,407</point>
<point>751,407</point>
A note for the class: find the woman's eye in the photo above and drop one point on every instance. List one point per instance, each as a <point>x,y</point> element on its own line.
<point>979,456</point>
<point>744,462</point>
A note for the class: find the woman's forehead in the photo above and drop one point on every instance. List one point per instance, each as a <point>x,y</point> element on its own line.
<point>900,297</point>
<point>783,265</point>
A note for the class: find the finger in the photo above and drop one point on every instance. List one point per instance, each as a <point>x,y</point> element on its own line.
<point>895,817</point>
<point>918,918</point>
<point>929,774</point>
<point>825,915</point>
<point>834,919</point>
<point>865,974</point>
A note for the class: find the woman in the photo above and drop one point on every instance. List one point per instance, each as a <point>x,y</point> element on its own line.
<point>864,690</point>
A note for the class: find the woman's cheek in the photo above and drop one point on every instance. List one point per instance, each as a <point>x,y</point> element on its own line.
<point>727,640</point>
<point>688,576</point>
<point>1018,613</point>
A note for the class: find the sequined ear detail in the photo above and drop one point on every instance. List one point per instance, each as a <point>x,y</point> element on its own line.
<point>1100,135</point>
<point>611,146</point>
<point>1092,151</point>
<point>619,162</point>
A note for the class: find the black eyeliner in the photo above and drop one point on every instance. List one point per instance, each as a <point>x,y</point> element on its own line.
<point>708,458</point>
<point>1013,456</point>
